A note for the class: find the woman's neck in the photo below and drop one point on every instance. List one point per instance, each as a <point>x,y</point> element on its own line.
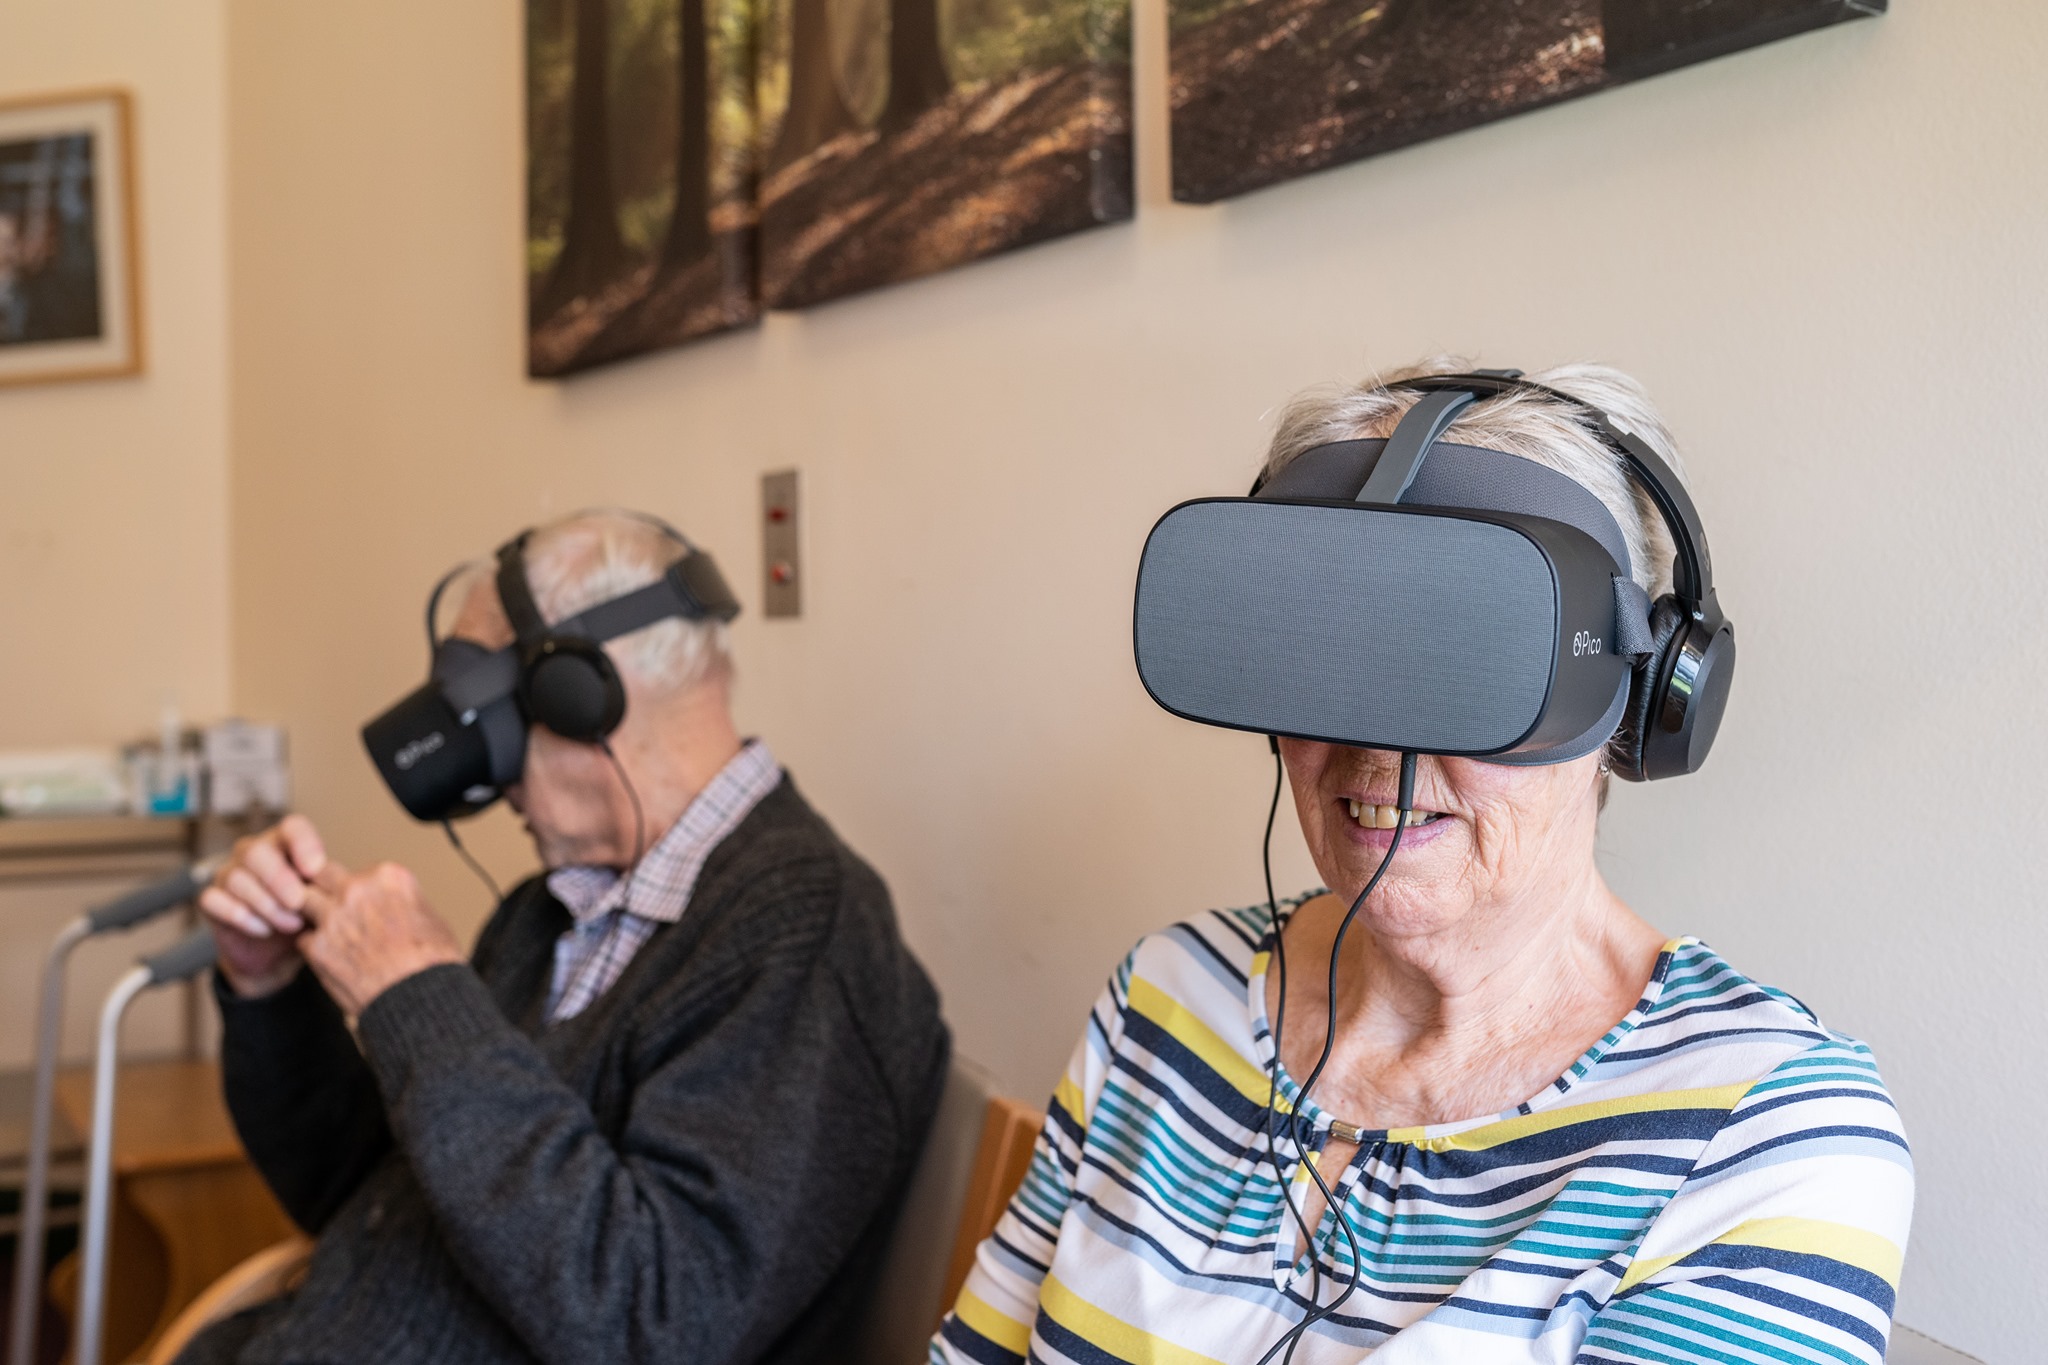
<point>1471,1017</point>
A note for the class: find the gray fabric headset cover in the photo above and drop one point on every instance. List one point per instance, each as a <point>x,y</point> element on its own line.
<point>1454,476</point>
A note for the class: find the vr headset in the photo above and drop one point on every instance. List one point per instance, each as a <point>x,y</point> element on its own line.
<point>450,748</point>
<point>1441,599</point>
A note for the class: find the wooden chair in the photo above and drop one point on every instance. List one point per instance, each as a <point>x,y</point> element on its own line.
<point>976,1157</point>
<point>1008,1138</point>
<point>271,1272</point>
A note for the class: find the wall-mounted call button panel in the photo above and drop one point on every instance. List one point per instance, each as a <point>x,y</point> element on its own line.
<point>782,581</point>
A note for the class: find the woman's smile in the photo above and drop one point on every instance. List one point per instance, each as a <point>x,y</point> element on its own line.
<point>1371,824</point>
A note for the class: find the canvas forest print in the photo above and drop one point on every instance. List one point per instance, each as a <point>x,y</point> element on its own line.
<point>903,137</point>
<point>692,161</point>
<point>66,242</point>
<point>640,176</point>
<point>1265,90</point>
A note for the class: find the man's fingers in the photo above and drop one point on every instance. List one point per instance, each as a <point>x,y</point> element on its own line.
<point>332,879</point>
<point>243,886</point>
<point>303,842</point>
<point>265,861</point>
<point>324,897</point>
<point>225,909</point>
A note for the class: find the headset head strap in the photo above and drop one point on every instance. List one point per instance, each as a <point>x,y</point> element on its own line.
<point>1692,574</point>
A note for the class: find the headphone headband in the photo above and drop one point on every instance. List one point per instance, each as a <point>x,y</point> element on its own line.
<point>515,592</point>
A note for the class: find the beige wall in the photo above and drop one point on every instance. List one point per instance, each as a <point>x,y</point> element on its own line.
<point>1824,257</point>
<point>113,493</point>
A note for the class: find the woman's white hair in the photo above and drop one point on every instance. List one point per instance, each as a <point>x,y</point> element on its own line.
<point>1520,423</point>
<point>592,557</point>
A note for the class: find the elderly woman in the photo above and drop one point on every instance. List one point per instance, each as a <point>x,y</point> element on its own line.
<point>1543,1130</point>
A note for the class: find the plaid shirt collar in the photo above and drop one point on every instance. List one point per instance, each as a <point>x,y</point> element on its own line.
<point>659,888</point>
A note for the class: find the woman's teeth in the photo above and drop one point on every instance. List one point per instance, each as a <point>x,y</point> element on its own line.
<point>1386,817</point>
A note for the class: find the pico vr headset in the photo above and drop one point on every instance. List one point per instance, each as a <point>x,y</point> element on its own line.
<point>452,746</point>
<point>1436,598</point>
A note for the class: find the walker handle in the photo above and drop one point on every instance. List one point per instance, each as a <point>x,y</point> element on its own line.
<point>189,956</point>
<point>148,902</point>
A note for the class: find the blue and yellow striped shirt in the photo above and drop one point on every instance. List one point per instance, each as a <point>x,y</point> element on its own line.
<point>1718,1179</point>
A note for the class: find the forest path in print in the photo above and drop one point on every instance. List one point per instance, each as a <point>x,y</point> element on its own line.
<point>1269,90</point>
<point>988,169</point>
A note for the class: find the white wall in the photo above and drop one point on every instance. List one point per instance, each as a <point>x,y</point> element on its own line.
<point>113,492</point>
<point>1824,257</point>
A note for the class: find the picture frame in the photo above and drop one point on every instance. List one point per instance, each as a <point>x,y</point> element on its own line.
<point>1265,91</point>
<point>70,272</point>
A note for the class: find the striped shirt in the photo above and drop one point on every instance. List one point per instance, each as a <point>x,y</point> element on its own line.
<point>1718,1179</point>
<point>614,915</point>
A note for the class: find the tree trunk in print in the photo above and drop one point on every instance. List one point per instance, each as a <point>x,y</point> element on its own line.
<point>817,112</point>
<point>689,225</point>
<point>918,79</point>
<point>592,250</point>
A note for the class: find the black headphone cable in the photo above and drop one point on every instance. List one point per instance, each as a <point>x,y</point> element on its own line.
<point>1292,1337</point>
<point>639,824</point>
<point>1280,1026</point>
<point>448,828</point>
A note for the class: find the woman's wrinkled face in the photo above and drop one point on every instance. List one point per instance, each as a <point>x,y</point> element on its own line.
<point>1483,836</point>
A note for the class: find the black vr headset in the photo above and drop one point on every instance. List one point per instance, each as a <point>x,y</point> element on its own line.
<point>1441,599</point>
<point>451,748</point>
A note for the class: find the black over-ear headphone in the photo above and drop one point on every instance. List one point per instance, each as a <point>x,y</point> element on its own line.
<point>566,680</point>
<point>1680,686</point>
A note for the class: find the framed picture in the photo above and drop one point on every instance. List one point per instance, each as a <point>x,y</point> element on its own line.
<point>639,176</point>
<point>1266,90</point>
<point>904,137</point>
<point>69,281</point>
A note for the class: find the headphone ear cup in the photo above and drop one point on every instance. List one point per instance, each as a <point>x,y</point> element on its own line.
<point>1625,753</point>
<point>571,687</point>
<point>1692,691</point>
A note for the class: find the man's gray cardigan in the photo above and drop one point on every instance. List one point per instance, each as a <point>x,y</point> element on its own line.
<point>699,1167</point>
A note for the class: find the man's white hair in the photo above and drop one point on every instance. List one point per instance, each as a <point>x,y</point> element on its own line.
<point>591,557</point>
<point>1519,423</point>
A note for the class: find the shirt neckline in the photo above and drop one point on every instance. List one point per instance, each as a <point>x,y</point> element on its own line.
<point>661,882</point>
<point>1288,1091</point>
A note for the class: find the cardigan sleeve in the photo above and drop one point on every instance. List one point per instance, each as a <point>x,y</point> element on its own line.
<point>303,1100</point>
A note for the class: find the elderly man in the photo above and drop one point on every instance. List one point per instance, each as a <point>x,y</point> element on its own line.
<point>663,1111</point>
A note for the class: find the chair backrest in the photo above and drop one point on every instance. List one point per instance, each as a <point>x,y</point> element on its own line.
<point>1009,1136</point>
<point>970,1168</point>
<point>270,1272</point>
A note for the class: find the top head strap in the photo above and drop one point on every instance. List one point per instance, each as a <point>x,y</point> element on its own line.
<point>1692,573</point>
<point>1454,476</point>
<point>691,587</point>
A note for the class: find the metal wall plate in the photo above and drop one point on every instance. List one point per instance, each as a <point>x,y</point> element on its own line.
<point>781,558</point>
